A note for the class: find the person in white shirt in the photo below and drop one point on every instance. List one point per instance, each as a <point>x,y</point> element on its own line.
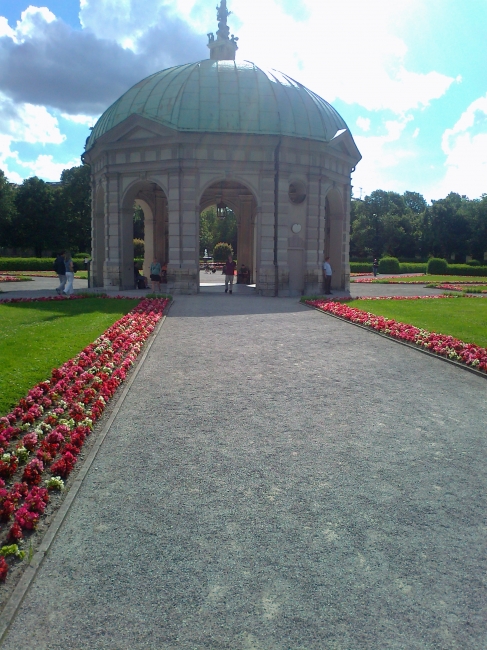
<point>327,273</point>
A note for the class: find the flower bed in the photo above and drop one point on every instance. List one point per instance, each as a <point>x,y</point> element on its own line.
<point>12,278</point>
<point>41,438</point>
<point>441,344</point>
<point>463,286</point>
<point>390,280</point>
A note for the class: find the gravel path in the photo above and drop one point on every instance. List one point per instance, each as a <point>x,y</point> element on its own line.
<point>276,479</point>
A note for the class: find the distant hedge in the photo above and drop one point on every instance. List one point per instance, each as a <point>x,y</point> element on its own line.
<point>33,263</point>
<point>466,269</point>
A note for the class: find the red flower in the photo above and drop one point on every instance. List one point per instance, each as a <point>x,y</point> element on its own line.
<point>3,568</point>
<point>15,533</point>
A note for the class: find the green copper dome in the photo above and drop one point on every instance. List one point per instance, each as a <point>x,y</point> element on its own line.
<point>225,97</point>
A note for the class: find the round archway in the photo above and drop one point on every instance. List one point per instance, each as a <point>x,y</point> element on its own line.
<point>240,200</point>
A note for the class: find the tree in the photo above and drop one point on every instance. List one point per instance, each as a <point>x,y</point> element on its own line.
<point>34,225</point>
<point>73,208</point>
<point>449,229</point>
<point>214,230</point>
<point>477,219</point>
<point>7,210</point>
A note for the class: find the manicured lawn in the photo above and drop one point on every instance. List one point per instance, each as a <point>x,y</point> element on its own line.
<point>464,318</point>
<point>428,279</point>
<point>38,336</point>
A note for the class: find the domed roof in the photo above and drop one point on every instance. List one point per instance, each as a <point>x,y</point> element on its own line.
<point>225,97</point>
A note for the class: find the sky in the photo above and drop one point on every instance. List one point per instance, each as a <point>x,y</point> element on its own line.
<point>409,77</point>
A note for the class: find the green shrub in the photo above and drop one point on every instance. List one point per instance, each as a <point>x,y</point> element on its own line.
<point>466,269</point>
<point>437,266</point>
<point>389,265</point>
<point>412,267</point>
<point>139,248</point>
<point>221,252</point>
<point>33,263</point>
<point>360,267</point>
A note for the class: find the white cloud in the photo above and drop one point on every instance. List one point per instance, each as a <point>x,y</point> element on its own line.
<point>5,29</point>
<point>34,124</point>
<point>465,146</point>
<point>363,123</point>
<point>88,120</point>
<point>31,21</point>
<point>380,153</point>
<point>45,167</point>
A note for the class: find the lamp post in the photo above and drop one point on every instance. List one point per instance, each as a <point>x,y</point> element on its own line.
<point>221,209</point>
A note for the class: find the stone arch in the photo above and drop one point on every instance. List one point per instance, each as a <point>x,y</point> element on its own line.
<point>334,245</point>
<point>241,197</point>
<point>99,243</point>
<point>153,201</point>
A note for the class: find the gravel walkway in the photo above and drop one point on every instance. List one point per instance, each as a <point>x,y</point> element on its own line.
<point>276,479</point>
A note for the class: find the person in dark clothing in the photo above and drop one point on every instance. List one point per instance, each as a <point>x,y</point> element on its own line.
<point>60,269</point>
<point>375,267</point>
<point>229,271</point>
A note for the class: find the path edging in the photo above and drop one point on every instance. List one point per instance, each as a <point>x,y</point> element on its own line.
<point>412,346</point>
<point>14,602</point>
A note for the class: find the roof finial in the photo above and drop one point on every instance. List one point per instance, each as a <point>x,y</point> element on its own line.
<point>223,48</point>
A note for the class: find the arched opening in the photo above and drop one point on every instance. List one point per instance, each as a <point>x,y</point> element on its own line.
<point>152,201</point>
<point>334,244</point>
<point>229,208</point>
<point>99,244</point>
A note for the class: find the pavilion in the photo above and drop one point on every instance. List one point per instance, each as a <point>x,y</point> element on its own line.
<point>228,133</point>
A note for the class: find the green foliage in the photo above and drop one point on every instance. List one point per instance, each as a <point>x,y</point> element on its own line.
<point>466,269</point>
<point>139,248</point>
<point>221,252</point>
<point>139,223</point>
<point>437,266</point>
<point>412,267</point>
<point>360,267</point>
<point>8,210</point>
<point>47,334</point>
<point>54,483</point>
<point>214,230</point>
<point>12,549</point>
<point>33,263</point>
<point>389,265</point>
<point>34,225</point>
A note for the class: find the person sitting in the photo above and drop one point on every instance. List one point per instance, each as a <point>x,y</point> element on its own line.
<point>243,275</point>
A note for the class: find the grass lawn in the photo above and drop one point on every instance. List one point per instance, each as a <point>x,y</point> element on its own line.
<point>464,318</point>
<point>38,336</point>
<point>428,279</point>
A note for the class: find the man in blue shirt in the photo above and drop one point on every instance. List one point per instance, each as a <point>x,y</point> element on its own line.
<point>327,273</point>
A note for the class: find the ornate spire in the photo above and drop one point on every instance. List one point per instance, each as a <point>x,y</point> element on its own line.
<point>222,48</point>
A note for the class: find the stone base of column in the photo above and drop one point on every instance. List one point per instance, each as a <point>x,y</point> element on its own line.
<point>181,281</point>
<point>112,275</point>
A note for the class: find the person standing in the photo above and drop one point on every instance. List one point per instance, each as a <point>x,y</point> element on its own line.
<point>68,264</point>
<point>155,275</point>
<point>60,269</point>
<point>375,267</point>
<point>229,273</point>
<point>328,273</point>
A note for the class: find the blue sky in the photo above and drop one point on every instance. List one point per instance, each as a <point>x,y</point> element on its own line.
<point>408,76</point>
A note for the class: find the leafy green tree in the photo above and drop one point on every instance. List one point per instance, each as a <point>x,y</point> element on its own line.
<point>138,223</point>
<point>35,225</point>
<point>477,218</point>
<point>74,204</point>
<point>214,230</point>
<point>449,229</point>
<point>7,209</point>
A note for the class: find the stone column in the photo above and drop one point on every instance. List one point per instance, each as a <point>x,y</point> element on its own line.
<point>149,239</point>
<point>266,279</point>
<point>313,252</point>
<point>112,273</point>
<point>245,233</point>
